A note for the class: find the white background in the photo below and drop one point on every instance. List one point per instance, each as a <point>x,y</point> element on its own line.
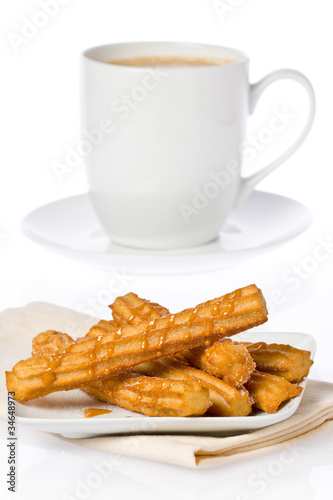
<point>40,117</point>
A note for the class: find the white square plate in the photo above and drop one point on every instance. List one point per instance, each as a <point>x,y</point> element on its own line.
<point>63,412</point>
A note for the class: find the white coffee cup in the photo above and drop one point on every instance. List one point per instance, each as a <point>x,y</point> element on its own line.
<point>164,158</point>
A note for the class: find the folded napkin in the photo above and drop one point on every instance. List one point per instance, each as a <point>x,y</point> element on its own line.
<point>313,417</point>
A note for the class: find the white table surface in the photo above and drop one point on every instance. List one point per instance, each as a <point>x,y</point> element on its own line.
<point>40,116</point>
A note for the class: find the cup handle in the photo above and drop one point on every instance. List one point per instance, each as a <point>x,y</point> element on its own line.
<point>247,184</point>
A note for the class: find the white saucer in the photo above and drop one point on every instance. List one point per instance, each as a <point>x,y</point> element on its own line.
<point>71,228</point>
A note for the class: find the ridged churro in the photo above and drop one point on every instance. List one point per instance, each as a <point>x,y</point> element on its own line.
<point>46,343</point>
<point>224,359</point>
<point>222,399</point>
<point>280,359</point>
<point>232,361</point>
<point>152,396</point>
<point>101,328</point>
<point>227,401</point>
<point>88,360</point>
<point>269,391</point>
<point>131,310</point>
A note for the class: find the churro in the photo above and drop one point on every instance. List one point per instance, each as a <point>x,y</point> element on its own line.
<point>280,359</point>
<point>102,327</point>
<point>131,310</point>
<point>152,396</point>
<point>87,360</point>
<point>46,343</point>
<point>224,359</point>
<point>227,401</point>
<point>269,391</point>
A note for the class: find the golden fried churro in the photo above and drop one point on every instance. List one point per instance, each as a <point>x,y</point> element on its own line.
<point>227,401</point>
<point>131,310</point>
<point>101,328</point>
<point>152,396</point>
<point>280,359</point>
<point>93,358</point>
<point>224,400</point>
<point>224,359</point>
<point>46,343</point>
<point>269,391</point>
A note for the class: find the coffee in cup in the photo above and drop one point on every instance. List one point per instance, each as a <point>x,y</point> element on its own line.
<point>173,61</point>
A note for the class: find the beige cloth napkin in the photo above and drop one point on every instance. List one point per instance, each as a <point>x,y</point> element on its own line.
<point>313,417</point>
